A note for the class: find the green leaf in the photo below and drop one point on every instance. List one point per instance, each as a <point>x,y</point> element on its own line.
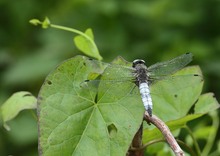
<point>206,103</point>
<point>218,145</point>
<point>46,23</point>
<point>17,102</point>
<point>80,118</point>
<point>151,134</point>
<point>35,22</point>
<point>173,105</point>
<point>84,41</point>
<point>173,98</point>
<point>89,33</point>
<point>86,44</point>
<point>204,132</point>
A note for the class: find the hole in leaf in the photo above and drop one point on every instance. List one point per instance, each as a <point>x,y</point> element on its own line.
<point>112,130</point>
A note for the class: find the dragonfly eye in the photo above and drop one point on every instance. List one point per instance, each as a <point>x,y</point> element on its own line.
<point>138,61</point>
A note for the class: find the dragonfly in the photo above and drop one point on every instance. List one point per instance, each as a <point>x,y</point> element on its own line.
<point>143,77</point>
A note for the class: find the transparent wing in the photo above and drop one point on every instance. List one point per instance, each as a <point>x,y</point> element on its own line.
<point>115,82</point>
<point>170,80</point>
<point>113,72</point>
<point>118,80</point>
<point>162,69</point>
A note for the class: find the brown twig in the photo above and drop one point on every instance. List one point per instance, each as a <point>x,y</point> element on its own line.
<point>136,144</point>
<point>166,132</point>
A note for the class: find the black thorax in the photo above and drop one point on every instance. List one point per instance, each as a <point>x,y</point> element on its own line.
<point>140,72</point>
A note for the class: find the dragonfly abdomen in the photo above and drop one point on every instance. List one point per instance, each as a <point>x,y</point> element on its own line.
<point>146,97</point>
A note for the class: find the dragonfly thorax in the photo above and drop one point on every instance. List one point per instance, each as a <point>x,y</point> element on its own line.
<point>140,71</point>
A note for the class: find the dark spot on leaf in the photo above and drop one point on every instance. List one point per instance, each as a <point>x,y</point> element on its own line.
<point>49,82</point>
<point>112,130</point>
<point>27,95</point>
<point>84,63</point>
<point>175,95</point>
<point>196,75</point>
<point>90,59</point>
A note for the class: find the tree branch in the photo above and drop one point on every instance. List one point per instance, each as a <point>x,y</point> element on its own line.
<point>166,133</point>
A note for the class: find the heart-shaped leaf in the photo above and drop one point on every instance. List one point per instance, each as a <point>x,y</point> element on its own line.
<point>75,120</point>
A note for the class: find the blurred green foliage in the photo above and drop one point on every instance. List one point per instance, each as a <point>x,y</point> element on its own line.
<point>147,29</point>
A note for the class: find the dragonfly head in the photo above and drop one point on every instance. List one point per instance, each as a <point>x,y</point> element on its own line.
<point>137,61</point>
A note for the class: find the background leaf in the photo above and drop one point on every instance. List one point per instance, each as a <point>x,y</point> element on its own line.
<point>86,45</point>
<point>206,103</point>
<point>17,102</point>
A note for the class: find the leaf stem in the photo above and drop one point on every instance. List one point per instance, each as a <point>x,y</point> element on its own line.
<point>194,140</point>
<point>190,151</point>
<point>74,31</point>
<point>46,23</point>
<point>212,136</point>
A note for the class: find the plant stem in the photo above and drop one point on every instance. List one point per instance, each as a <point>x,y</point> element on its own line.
<point>75,31</point>
<point>194,140</point>
<point>166,133</point>
<point>190,151</point>
<point>212,136</point>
